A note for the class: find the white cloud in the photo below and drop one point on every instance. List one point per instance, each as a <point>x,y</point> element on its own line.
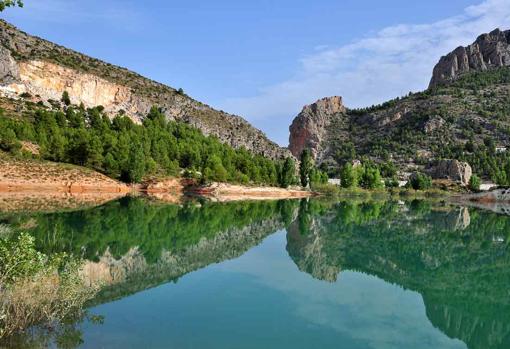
<point>389,63</point>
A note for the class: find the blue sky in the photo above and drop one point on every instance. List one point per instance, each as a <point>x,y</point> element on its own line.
<point>265,60</point>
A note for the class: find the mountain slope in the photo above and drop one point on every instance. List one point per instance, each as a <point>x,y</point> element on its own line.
<point>30,65</point>
<point>466,116</point>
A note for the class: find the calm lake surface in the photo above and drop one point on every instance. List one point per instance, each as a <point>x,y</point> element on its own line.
<point>284,274</point>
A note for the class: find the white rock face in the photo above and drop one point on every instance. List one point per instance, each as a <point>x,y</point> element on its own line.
<point>49,80</point>
<point>45,70</point>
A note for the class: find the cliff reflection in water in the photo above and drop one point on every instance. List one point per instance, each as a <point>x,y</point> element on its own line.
<point>133,244</point>
<point>456,258</point>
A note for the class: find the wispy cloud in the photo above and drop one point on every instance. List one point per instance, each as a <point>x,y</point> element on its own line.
<point>383,65</point>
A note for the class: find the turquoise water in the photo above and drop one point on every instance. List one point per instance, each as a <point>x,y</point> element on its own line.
<point>289,274</point>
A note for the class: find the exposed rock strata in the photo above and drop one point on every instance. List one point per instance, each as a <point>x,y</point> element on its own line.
<point>422,126</point>
<point>308,129</point>
<point>45,70</point>
<point>489,51</point>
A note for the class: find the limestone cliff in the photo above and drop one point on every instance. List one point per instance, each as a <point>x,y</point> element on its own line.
<point>489,51</point>
<point>44,70</point>
<point>309,128</point>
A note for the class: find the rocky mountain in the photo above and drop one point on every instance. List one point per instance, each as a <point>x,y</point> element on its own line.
<point>309,128</point>
<point>465,115</point>
<point>30,66</point>
<point>487,52</point>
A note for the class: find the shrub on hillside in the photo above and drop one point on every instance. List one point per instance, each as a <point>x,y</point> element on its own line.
<point>474,183</point>
<point>420,181</point>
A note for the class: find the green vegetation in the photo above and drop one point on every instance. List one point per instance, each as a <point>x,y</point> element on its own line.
<point>127,151</point>
<point>348,176</point>
<point>474,183</point>
<point>466,120</point>
<point>420,181</point>
<point>305,167</point>
<point>371,178</point>
<point>10,3</point>
<point>286,173</point>
<point>309,174</point>
<point>455,264</point>
<point>119,225</point>
<point>486,162</point>
<point>36,289</point>
<point>366,176</point>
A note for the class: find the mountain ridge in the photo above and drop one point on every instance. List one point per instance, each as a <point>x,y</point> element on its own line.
<point>31,65</point>
<point>465,117</point>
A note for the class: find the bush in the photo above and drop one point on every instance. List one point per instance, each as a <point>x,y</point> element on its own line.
<point>37,289</point>
<point>348,177</point>
<point>391,183</point>
<point>371,178</point>
<point>420,181</point>
<point>8,141</point>
<point>65,98</point>
<point>474,183</point>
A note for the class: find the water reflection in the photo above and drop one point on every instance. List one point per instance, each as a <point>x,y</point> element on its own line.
<point>455,257</point>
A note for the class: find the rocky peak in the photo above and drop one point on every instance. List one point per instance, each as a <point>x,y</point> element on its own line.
<point>489,51</point>
<point>308,129</point>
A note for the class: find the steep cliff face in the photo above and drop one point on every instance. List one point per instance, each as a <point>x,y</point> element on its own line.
<point>308,129</point>
<point>489,51</point>
<point>45,70</point>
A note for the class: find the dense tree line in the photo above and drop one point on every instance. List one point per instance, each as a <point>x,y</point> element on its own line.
<point>118,226</point>
<point>367,176</point>
<point>127,151</point>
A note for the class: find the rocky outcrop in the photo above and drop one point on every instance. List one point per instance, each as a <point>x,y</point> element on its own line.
<point>451,169</point>
<point>433,124</point>
<point>45,70</point>
<point>309,128</point>
<point>489,51</point>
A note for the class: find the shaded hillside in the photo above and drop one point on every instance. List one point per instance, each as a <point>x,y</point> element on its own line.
<point>34,67</point>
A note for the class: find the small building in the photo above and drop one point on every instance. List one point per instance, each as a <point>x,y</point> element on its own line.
<point>334,181</point>
<point>487,186</point>
<point>500,150</point>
